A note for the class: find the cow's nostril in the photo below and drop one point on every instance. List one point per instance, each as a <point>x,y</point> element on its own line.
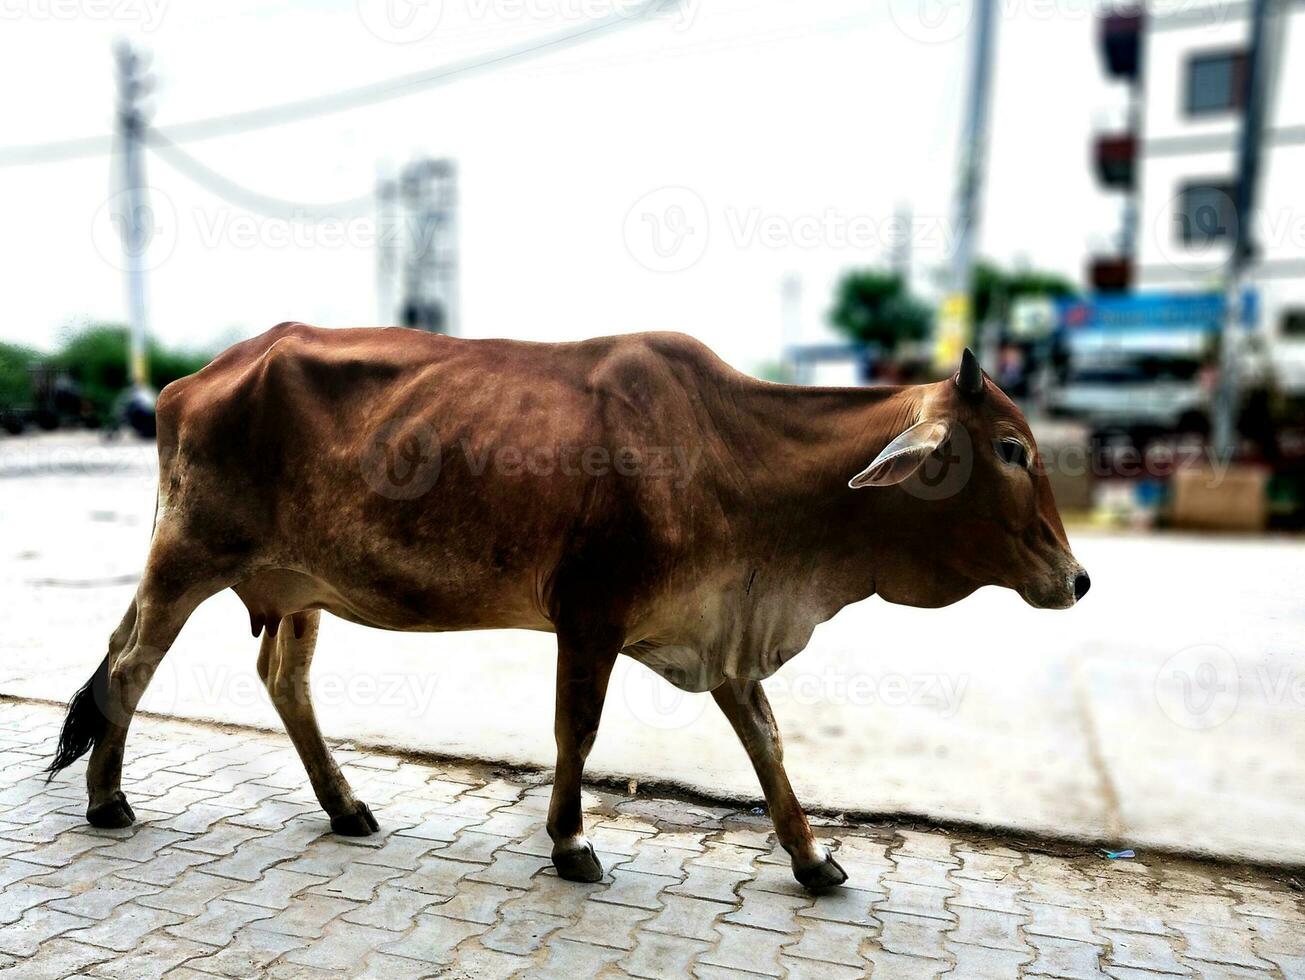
<point>1081,585</point>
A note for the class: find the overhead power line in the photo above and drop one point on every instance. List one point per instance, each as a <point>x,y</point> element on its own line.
<point>250,200</point>
<point>345,100</point>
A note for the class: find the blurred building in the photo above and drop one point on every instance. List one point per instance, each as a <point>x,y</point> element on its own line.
<point>1184,66</point>
<point>417,247</point>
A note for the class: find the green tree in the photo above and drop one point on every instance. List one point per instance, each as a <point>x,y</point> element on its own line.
<point>96,358</point>
<point>995,289</point>
<point>875,307</point>
<point>15,380</point>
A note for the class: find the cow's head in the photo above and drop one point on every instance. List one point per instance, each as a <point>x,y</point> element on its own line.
<point>970,504</point>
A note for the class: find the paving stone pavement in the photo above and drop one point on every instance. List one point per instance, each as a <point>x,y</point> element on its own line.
<point>231,871</point>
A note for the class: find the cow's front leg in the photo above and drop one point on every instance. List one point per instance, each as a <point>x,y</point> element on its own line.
<point>283,662</point>
<point>583,668</point>
<point>746,707</point>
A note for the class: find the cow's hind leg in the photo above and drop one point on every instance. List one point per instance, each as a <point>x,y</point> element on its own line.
<point>583,669</point>
<point>283,662</point>
<point>176,580</point>
<point>746,707</point>
<point>86,723</point>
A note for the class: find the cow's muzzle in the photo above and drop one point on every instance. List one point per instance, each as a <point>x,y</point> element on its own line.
<point>1060,590</point>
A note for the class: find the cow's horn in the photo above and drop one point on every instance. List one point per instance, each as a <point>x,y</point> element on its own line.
<point>970,377</point>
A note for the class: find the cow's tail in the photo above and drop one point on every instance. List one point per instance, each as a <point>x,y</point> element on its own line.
<point>85,722</point>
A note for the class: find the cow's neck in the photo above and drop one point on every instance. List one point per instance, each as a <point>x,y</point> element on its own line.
<point>803,446</point>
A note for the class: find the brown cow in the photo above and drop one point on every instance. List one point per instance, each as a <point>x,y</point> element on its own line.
<point>631,494</point>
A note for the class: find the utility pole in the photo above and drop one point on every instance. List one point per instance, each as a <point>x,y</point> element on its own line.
<point>137,224</point>
<point>1258,73</point>
<point>387,246</point>
<point>903,244</point>
<point>954,321</point>
<point>428,191</point>
<point>790,297</point>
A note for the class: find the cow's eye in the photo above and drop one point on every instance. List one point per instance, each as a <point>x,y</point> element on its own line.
<point>1012,451</point>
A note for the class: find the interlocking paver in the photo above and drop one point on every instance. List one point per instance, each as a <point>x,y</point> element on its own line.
<point>983,927</point>
<point>476,902</point>
<point>606,925</point>
<point>434,938</point>
<point>358,882</point>
<point>58,958</point>
<point>511,869</point>
<point>127,927</point>
<point>925,901</point>
<point>307,915</point>
<point>38,925</point>
<point>521,931</point>
<point>275,889</point>
<point>981,962</point>
<point>189,894</point>
<point>635,888</point>
<point>693,918</point>
<point>232,871</point>
<point>246,953</point>
<point>747,949</point>
<point>773,912</point>
<point>104,897</point>
<point>18,898</point>
<point>830,942</point>
<point>1060,923</point>
<point>705,881</point>
<point>152,958</point>
<point>1219,945</point>
<point>165,868</point>
<point>799,969</point>
<point>567,960</point>
<point>220,921</point>
<point>1065,958</point>
<point>656,956</point>
<point>1142,951</point>
<point>911,935</point>
<point>344,945</point>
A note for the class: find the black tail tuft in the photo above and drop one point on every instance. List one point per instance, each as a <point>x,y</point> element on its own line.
<point>85,723</point>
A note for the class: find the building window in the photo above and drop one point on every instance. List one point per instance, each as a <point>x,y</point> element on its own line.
<point>1206,213</point>
<point>1293,323</point>
<point>1216,82</point>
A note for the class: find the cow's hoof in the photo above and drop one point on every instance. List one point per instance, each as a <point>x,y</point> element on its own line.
<point>581,864</point>
<point>360,823</point>
<point>116,813</point>
<point>817,877</point>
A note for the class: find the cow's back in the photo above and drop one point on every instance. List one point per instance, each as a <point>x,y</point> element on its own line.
<point>451,483</point>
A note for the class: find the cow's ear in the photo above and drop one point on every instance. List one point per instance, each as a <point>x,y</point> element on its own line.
<point>903,456</point>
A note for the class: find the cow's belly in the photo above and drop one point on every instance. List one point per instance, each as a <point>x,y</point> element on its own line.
<point>394,602</point>
<point>735,641</point>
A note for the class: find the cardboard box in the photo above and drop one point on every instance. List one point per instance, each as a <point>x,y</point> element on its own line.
<point>1221,500</point>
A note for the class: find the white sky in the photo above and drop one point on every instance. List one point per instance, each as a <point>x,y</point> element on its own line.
<point>794,124</point>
